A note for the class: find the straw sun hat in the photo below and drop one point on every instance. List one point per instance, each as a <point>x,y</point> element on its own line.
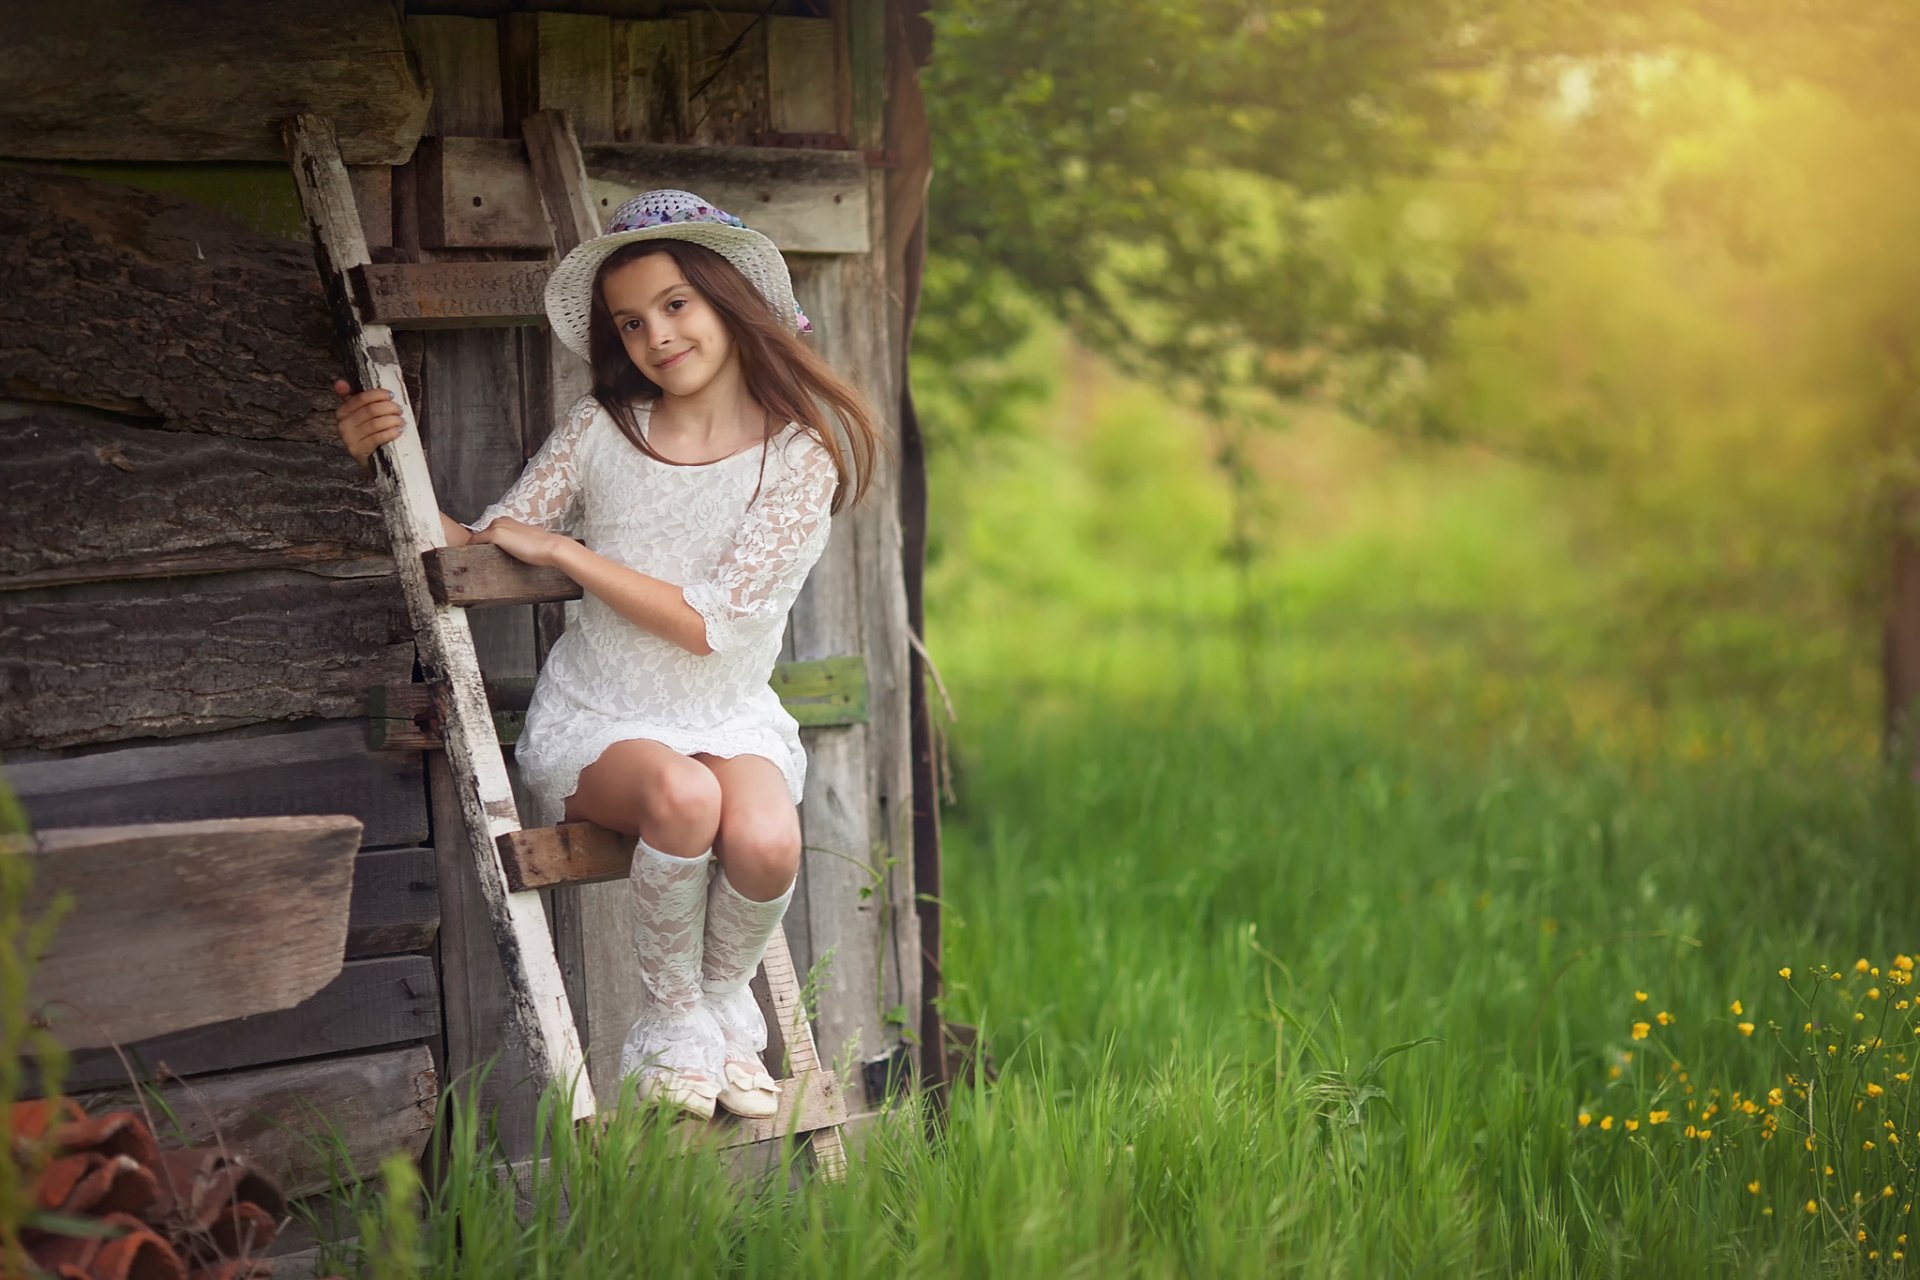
<point>669,214</point>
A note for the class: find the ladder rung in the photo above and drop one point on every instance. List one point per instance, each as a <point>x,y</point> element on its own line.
<point>809,1101</point>
<point>451,295</point>
<point>478,576</point>
<point>571,853</point>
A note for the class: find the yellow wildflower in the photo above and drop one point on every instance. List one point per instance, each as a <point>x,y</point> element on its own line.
<point>1753,1188</point>
<point>1903,963</point>
<point>1691,1131</point>
<point>1775,1098</point>
<point>1812,1207</point>
<point>1641,996</point>
<point>1632,1124</point>
<point>1606,1122</point>
<point>1664,1018</point>
<point>1705,1134</point>
<point>1745,1028</point>
<point>1861,965</point>
<point>1735,1009</point>
<point>1640,1030</point>
<point>1874,1090</point>
<point>1867,1145</point>
<point>1873,993</point>
<point>1658,1117</point>
<point>1787,974</point>
<point>1886,1192</point>
<point>1586,1118</point>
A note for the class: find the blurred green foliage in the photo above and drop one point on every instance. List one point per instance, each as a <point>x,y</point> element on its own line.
<point>1656,258</point>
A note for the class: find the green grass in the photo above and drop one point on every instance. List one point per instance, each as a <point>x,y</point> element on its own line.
<point>1172,922</point>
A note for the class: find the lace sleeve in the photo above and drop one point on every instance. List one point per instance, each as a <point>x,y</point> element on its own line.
<point>754,583</point>
<point>546,494</point>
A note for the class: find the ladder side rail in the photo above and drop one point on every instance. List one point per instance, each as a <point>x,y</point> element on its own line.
<point>540,1007</point>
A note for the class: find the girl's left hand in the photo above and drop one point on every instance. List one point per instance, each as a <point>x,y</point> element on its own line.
<point>521,541</point>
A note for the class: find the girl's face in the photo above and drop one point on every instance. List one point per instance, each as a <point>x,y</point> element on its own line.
<point>671,333</point>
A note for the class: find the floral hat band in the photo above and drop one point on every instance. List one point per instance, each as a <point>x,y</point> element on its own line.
<point>644,211</point>
<point>669,214</point>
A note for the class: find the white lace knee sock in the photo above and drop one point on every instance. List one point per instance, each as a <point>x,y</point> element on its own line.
<point>673,1034</point>
<point>738,931</point>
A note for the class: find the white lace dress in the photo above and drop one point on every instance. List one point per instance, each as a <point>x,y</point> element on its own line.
<point>739,560</point>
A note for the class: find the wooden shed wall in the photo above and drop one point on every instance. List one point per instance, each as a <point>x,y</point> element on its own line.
<point>195,593</point>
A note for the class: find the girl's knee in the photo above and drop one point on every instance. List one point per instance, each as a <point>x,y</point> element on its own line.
<point>683,803</point>
<point>761,854</point>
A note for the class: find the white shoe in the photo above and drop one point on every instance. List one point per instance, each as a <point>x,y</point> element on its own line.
<point>749,1091</point>
<point>692,1094</point>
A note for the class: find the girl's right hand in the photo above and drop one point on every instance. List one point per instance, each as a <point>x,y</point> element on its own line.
<point>367,420</point>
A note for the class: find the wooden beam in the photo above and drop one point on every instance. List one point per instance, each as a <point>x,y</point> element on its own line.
<point>211,80</point>
<point>396,902</point>
<point>385,1001</point>
<point>483,576</point>
<point>293,1119</point>
<point>204,907</point>
<point>162,657</point>
<point>479,193</point>
<point>323,768</point>
<point>451,295</point>
<point>406,717</point>
<point>521,933</point>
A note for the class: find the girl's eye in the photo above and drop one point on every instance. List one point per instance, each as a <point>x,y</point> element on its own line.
<point>627,325</point>
<point>676,302</point>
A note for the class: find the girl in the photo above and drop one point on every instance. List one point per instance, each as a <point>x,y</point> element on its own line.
<point>701,478</point>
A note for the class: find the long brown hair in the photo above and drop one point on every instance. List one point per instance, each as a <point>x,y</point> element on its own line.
<point>783,375</point>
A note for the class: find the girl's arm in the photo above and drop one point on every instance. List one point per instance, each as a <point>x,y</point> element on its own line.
<point>457,534</point>
<point>647,602</point>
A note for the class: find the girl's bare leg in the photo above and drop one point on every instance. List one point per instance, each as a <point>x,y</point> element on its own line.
<point>647,789</point>
<point>758,842</point>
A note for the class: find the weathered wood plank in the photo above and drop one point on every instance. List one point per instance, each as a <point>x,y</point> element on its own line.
<point>316,768</point>
<point>383,1001</point>
<point>93,495</point>
<point>460,57</point>
<point>447,295</point>
<point>802,1054</point>
<point>571,853</point>
<point>478,1001</point>
<point>800,76</point>
<point>285,1118</point>
<point>154,307</point>
<point>95,80</point>
<point>479,192</point>
<point>196,902</point>
<point>524,942</point>
<point>396,902</point>
<point>484,576</point>
<point>102,662</point>
<point>727,63</point>
<point>650,81</point>
<point>880,324</point>
<point>562,60</point>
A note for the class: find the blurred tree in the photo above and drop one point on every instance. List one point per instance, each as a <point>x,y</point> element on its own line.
<point>1247,202</point>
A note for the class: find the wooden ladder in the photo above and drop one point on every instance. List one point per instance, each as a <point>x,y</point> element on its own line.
<point>440,583</point>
